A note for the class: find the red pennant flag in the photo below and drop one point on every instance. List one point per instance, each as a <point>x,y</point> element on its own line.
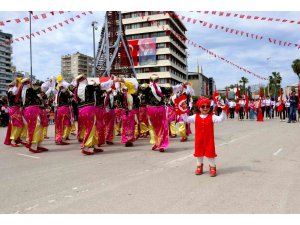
<point>252,35</point>
<point>18,20</point>
<point>44,30</point>
<point>35,17</point>
<point>227,29</point>
<point>242,16</point>
<point>231,31</point>
<point>27,36</point>
<point>49,28</point>
<point>78,16</point>
<point>55,26</point>
<point>270,40</point>
<point>228,14</point>
<point>279,42</point>
<point>72,19</point>
<point>17,39</point>
<point>188,20</point>
<point>83,13</point>
<point>284,21</point>
<point>32,35</point>
<point>247,34</point>
<point>26,19</point>
<point>216,27</point>
<point>52,13</point>
<point>90,12</point>
<point>249,17</point>
<point>236,32</point>
<point>38,33</point>
<point>242,32</point>
<point>263,18</point>
<point>256,17</point>
<point>61,12</point>
<point>213,12</point>
<point>66,21</point>
<point>1,23</point>
<point>235,15</point>
<point>277,20</point>
<point>204,24</point>
<point>210,25</point>
<point>270,19</point>
<point>298,22</point>
<point>221,13</point>
<point>8,21</point>
<point>44,15</point>
<point>292,21</point>
<point>194,21</point>
<point>60,24</point>
<point>182,17</point>
<point>22,38</point>
<point>206,12</point>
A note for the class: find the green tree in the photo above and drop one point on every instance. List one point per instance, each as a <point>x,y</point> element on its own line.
<point>274,83</point>
<point>296,67</point>
<point>243,81</point>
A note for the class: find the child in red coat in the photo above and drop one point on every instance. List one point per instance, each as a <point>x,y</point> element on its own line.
<point>204,134</point>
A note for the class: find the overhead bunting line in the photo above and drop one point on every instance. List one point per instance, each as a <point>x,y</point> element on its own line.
<point>45,30</point>
<point>34,17</point>
<point>238,32</point>
<point>243,16</point>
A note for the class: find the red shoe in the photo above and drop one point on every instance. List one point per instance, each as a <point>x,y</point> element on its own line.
<point>213,171</point>
<point>183,140</point>
<point>86,152</point>
<point>14,145</point>
<point>161,150</point>
<point>199,170</point>
<point>34,151</point>
<point>42,149</point>
<point>62,143</point>
<point>154,147</point>
<point>97,150</point>
<point>27,145</point>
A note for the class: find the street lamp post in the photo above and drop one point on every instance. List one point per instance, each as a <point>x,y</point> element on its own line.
<point>94,25</point>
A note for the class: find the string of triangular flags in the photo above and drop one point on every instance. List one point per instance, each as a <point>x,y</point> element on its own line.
<point>34,17</point>
<point>243,16</point>
<point>45,30</point>
<point>237,32</point>
<point>194,44</point>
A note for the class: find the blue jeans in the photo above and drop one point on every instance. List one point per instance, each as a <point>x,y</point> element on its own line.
<point>251,114</point>
<point>292,116</point>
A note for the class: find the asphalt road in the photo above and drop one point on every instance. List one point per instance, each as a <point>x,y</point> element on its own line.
<point>258,168</point>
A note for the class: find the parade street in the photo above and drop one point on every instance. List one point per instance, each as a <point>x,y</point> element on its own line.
<point>258,168</point>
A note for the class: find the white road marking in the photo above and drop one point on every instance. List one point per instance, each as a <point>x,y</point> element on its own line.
<point>68,196</point>
<point>52,201</point>
<point>28,156</point>
<point>32,207</point>
<point>75,188</point>
<point>277,152</point>
<point>179,159</point>
<point>233,140</point>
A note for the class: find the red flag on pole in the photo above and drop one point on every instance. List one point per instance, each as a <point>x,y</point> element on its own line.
<point>180,105</point>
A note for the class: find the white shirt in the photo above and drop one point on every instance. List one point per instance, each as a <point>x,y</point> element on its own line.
<point>192,119</point>
<point>231,104</point>
<point>287,104</point>
<point>268,102</point>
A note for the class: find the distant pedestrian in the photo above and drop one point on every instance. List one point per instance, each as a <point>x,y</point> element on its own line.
<point>293,107</point>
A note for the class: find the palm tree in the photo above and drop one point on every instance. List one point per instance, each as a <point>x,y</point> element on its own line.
<point>274,83</point>
<point>244,81</point>
<point>296,67</point>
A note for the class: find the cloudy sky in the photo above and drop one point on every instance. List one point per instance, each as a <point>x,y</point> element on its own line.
<point>258,56</point>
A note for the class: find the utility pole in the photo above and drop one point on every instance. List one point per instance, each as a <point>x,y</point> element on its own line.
<point>30,12</point>
<point>94,25</point>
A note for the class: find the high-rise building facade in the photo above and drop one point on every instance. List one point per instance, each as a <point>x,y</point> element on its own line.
<point>6,75</point>
<point>73,65</point>
<point>156,50</point>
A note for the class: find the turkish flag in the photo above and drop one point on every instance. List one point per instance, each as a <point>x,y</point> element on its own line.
<point>134,49</point>
<point>180,105</point>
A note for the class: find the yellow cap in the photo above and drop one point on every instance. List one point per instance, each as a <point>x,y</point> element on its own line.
<point>25,80</point>
<point>59,78</point>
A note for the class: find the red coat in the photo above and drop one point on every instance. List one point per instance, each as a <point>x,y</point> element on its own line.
<point>204,137</point>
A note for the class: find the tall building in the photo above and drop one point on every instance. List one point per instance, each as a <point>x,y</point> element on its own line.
<point>154,49</point>
<point>6,75</point>
<point>73,65</point>
<point>211,86</point>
